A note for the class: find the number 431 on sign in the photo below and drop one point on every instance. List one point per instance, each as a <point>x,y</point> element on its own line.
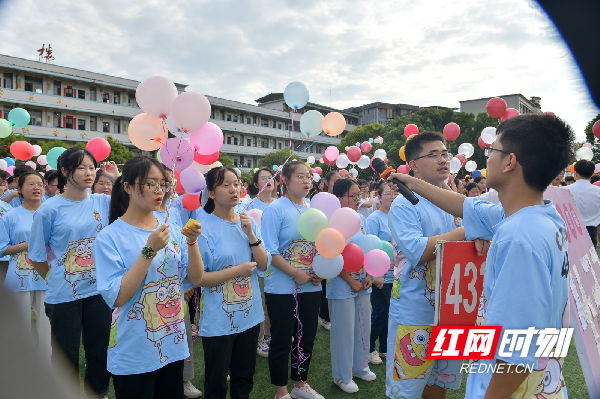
<point>459,283</point>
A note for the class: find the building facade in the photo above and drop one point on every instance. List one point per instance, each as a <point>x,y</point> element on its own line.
<point>516,101</point>
<point>73,105</point>
<point>381,112</point>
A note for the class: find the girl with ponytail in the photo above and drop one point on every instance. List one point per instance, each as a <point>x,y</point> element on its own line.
<point>68,224</point>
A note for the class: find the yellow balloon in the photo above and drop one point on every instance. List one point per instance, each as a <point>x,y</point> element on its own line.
<point>217,164</point>
<point>483,172</point>
<point>409,138</point>
<point>401,152</point>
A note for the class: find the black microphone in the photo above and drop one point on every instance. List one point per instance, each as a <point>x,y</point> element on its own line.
<point>381,167</point>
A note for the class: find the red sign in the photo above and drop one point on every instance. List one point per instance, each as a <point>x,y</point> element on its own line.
<point>459,283</point>
<point>463,342</point>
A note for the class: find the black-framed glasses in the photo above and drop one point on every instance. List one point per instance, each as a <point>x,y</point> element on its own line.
<point>487,151</point>
<point>436,156</point>
<point>156,188</point>
<point>355,197</point>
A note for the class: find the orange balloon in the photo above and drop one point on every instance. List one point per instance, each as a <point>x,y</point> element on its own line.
<point>147,133</point>
<point>401,152</point>
<point>334,124</point>
<point>412,136</point>
<point>572,168</point>
<point>330,242</point>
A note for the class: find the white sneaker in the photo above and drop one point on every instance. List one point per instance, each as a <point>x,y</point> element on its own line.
<point>190,391</point>
<point>366,375</point>
<point>262,349</point>
<point>374,358</point>
<point>382,355</point>
<point>228,378</point>
<point>326,325</point>
<point>306,392</point>
<point>350,387</point>
<point>287,396</point>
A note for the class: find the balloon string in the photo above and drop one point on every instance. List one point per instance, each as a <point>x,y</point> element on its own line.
<point>299,355</point>
<point>294,111</point>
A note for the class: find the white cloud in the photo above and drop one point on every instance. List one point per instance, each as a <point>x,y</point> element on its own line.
<point>421,53</point>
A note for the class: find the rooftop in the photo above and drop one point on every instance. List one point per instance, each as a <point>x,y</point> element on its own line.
<point>272,97</point>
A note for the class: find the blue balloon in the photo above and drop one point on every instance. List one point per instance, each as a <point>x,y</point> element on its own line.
<point>475,173</point>
<point>369,242</point>
<point>19,117</point>
<point>9,161</point>
<point>296,95</point>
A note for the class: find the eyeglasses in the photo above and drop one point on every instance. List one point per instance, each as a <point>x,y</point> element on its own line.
<point>307,178</point>
<point>487,151</point>
<point>355,197</point>
<point>156,188</point>
<point>436,156</point>
<point>390,193</point>
<point>105,183</point>
<point>37,185</point>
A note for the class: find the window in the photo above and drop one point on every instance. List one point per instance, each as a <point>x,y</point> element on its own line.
<point>264,122</point>
<point>249,143</point>
<point>273,124</point>
<point>57,119</point>
<point>132,102</point>
<point>81,124</point>
<point>36,117</point>
<point>235,141</point>
<point>249,164</point>
<point>235,118</point>
<point>117,126</point>
<point>254,120</point>
<point>265,143</point>
<point>248,121</point>
<point>92,93</point>
<point>117,97</point>
<point>274,144</point>
<point>255,161</point>
<point>235,162</point>
<point>279,126</point>
<point>279,146</point>
<point>8,77</point>
<point>69,92</point>
<point>254,142</point>
<point>228,139</point>
<point>33,84</point>
<point>222,115</point>
<point>105,97</point>
<point>106,127</point>
<point>241,161</point>
<point>228,117</point>
<point>81,94</point>
<point>69,122</point>
<point>93,123</point>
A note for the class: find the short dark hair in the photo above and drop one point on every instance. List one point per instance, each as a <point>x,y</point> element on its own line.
<point>51,175</point>
<point>542,143</point>
<point>585,168</point>
<point>263,169</point>
<point>20,169</point>
<point>478,179</point>
<point>414,147</point>
<point>70,160</point>
<point>23,177</point>
<point>287,171</point>
<point>4,174</point>
<point>569,178</point>
<point>362,182</point>
<point>342,186</point>
<point>214,178</point>
<point>595,178</point>
<point>471,186</point>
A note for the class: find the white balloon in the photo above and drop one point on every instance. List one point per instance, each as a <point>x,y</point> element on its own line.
<point>3,164</point>
<point>455,165</point>
<point>364,162</point>
<point>584,153</point>
<point>488,135</point>
<point>48,167</point>
<point>173,128</point>
<point>466,150</point>
<point>354,172</point>
<point>316,177</point>
<point>470,166</point>
<point>380,153</point>
<point>310,159</point>
<point>37,150</point>
<point>327,268</point>
<point>42,160</point>
<point>237,172</point>
<point>342,161</point>
<point>200,168</point>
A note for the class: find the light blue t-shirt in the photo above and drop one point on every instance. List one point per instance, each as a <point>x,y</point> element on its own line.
<point>148,331</point>
<point>411,225</point>
<point>18,201</point>
<point>15,228</point>
<point>258,204</point>
<point>70,228</point>
<point>377,225</point>
<point>337,288</point>
<point>527,263</point>
<point>235,305</point>
<point>4,209</point>
<point>174,217</point>
<point>7,192</point>
<point>279,227</point>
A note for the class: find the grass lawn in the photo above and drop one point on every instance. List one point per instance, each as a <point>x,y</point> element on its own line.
<point>320,375</point>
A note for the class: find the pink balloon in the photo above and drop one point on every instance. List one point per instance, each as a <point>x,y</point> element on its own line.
<point>11,168</point>
<point>346,220</point>
<point>587,145</point>
<point>31,164</point>
<point>99,148</point>
<point>155,96</point>
<point>191,111</point>
<point>451,131</point>
<point>207,140</point>
<point>177,154</point>
<point>326,203</point>
<point>318,171</point>
<point>596,129</point>
<point>331,153</point>
<point>192,181</point>
<point>343,172</point>
<point>377,262</point>
<point>404,169</point>
<point>411,129</point>
<point>42,160</point>
<point>255,214</point>
<point>354,154</point>
<point>496,107</point>
<point>366,146</point>
<point>48,167</point>
<point>510,113</point>
<point>463,160</point>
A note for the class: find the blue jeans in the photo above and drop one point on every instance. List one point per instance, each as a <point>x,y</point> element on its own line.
<point>380,303</point>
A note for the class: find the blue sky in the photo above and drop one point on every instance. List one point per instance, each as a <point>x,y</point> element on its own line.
<point>348,53</point>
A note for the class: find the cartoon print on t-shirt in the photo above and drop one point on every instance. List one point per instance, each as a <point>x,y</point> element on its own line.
<point>79,265</point>
<point>24,268</point>
<point>237,296</point>
<point>160,306</point>
<point>300,254</point>
<point>426,271</point>
<point>409,353</point>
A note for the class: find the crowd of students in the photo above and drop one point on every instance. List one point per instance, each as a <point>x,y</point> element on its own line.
<point>114,258</point>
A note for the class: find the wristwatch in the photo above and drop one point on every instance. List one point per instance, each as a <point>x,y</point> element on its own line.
<point>256,244</point>
<point>148,252</point>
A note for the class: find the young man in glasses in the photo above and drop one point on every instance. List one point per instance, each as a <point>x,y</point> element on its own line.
<point>527,266</point>
<point>415,230</point>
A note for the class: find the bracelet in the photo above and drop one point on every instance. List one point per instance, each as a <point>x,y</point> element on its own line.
<point>295,275</point>
<point>191,243</point>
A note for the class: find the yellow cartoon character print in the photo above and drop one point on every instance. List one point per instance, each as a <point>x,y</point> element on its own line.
<point>24,268</point>
<point>113,327</point>
<point>409,354</point>
<point>300,254</point>
<point>79,265</point>
<point>545,382</point>
<point>160,305</point>
<point>237,296</point>
<point>426,271</point>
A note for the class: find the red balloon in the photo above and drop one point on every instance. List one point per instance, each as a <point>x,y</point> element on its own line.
<point>496,107</point>
<point>179,187</point>
<point>511,112</point>
<point>22,150</point>
<point>404,169</point>
<point>366,146</point>
<point>411,129</point>
<point>354,258</point>
<point>99,148</point>
<point>318,171</point>
<point>244,193</point>
<point>206,159</point>
<point>549,113</point>
<point>481,143</point>
<point>354,153</point>
<point>463,160</point>
<point>596,129</point>
<point>327,161</point>
<point>597,184</point>
<point>451,131</point>
<point>191,202</point>
<point>343,172</point>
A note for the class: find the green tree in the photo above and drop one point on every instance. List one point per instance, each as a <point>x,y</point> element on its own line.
<point>7,141</point>
<point>275,158</point>
<point>119,153</point>
<point>225,160</point>
<point>590,138</point>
